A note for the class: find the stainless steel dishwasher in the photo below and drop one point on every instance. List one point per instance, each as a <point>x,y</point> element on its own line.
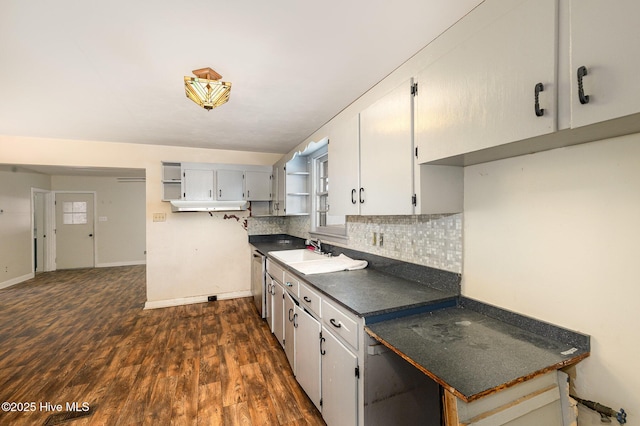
<point>258,265</point>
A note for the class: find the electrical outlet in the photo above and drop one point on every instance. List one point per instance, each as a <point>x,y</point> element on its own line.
<point>381,240</point>
<point>374,239</point>
<point>159,217</point>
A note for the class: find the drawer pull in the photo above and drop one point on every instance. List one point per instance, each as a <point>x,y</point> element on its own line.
<point>334,323</point>
<point>306,299</point>
<point>289,284</point>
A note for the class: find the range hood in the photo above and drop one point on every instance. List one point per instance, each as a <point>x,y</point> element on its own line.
<point>208,206</point>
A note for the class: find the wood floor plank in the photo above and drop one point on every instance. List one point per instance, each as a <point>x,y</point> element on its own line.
<point>83,336</point>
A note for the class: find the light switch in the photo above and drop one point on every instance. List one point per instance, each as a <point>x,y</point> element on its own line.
<point>159,217</point>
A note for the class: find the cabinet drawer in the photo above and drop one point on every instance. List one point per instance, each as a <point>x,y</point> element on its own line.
<point>340,323</point>
<point>275,271</point>
<point>309,299</point>
<point>291,283</point>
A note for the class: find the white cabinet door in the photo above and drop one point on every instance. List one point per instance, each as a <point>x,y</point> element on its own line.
<point>197,185</point>
<point>229,185</point>
<point>339,382</point>
<point>289,330</point>
<point>604,40</point>
<point>278,191</point>
<point>278,312</point>
<point>344,167</point>
<point>482,93</point>
<point>386,154</point>
<point>257,186</point>
<point>308,354</point>
<point>269,308</point>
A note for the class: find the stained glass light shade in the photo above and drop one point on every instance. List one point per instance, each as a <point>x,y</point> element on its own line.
<point>206,89</point>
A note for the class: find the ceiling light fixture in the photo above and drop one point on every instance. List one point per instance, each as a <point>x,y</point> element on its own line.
<point>206,89</point>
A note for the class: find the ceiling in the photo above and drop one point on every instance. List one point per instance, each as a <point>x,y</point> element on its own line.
<point>113,70</point>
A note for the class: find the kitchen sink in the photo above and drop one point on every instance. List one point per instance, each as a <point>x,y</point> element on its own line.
<point>309,262</point>
<point>300,255</point>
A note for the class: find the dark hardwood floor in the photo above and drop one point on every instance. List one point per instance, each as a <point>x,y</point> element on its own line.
<point>83,336</point>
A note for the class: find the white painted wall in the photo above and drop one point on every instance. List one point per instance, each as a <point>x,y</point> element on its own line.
<point>189,255</point>
<point>120,239</point>
<point>555,235</point>
<point>15,224</point>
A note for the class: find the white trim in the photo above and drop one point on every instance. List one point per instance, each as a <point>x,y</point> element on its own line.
<point>194,299</point>
<point>126,263</point>
<point>16,280</point>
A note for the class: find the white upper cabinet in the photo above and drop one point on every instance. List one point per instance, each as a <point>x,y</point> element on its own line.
<point>371,158</point>
<point>257,186</point>
<point>344,167</point>
<point>197,185</point>
<point>497,83</point>
<point>229,185</point>
<point>604,40</point>
<point>386,154</point>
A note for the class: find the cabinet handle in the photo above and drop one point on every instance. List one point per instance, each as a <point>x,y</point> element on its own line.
<point>334,323</point>
<point>584,99</point>
<point>322,351</point>
<point>360,195</point>
<point>210,193</point>
<point>290,312</point>
<point>295,320</point>
<point>220,193</point>
<point>289,284</point>
<point>306,299</point>
<point>353,196</point>
<point>248,193</point>
<point>539,88</point>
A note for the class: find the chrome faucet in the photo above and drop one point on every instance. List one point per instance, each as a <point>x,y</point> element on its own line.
<point>317,245</point>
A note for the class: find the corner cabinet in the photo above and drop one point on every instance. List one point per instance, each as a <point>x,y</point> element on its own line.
<point>497,85</point>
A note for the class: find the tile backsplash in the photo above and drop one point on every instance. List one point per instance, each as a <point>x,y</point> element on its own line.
<point>430,240</point>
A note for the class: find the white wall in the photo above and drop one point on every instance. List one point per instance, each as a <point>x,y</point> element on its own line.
<point>555,236</point>
<point>120,239</point>
<point>189,255</point>
<point>15,224</point>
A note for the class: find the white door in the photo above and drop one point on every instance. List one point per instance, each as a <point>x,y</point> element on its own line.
<point>74,230</point>
<point>289,330</point>
<point>604,40</point>
<point>386,154</point>
<point>278,309</point>
<point>308,354</point>
<point>257,186</point>
<point>229,185</point>
<point>482,93</point>
<point>344,168</point>
<point>198,185</point>
<point>339,382</point>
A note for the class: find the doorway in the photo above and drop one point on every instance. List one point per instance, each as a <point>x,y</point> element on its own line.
<point>75,230</point>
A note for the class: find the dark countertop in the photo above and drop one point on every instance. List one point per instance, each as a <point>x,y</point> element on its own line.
<point>471,354</point>
<point>373,293</point>
<point>470,348</point>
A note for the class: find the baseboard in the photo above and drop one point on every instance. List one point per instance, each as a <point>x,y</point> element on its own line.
<point>129,263</point>
<point>194,299</point>
<point>16,280</point>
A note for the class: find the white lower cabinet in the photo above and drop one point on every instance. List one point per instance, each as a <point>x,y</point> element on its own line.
<point>289,330</point>
<point>339,381</point>
<point>307,348</point>
<point>323,352</point>
<point>278,309</point>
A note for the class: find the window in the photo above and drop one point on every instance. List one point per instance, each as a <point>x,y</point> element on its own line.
<point>74,213</point>
<point>321,190</point>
